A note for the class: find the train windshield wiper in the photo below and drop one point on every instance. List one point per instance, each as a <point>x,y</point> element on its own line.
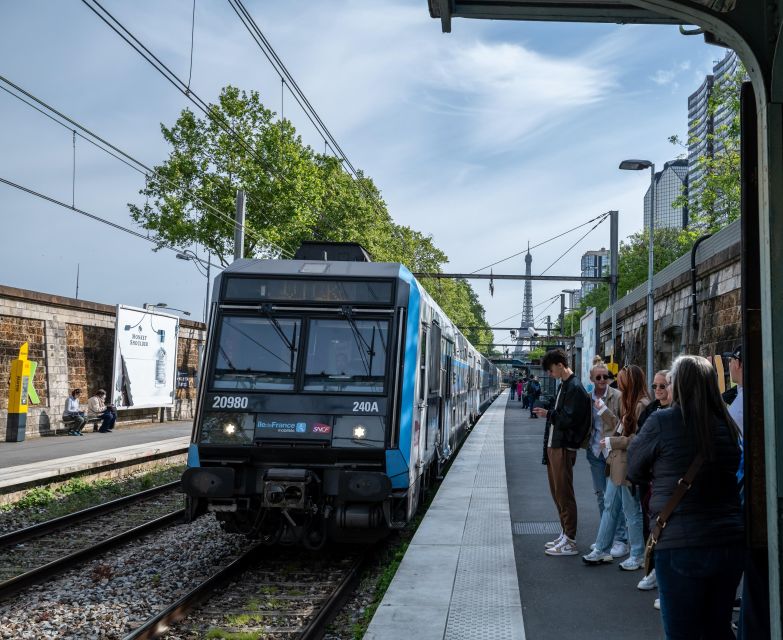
<point>361,343</point>
<point>291,344</point>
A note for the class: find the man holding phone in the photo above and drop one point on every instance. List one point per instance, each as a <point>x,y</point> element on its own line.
<point>567,426</point>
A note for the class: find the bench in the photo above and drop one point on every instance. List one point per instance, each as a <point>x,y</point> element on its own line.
<point>95,421</point>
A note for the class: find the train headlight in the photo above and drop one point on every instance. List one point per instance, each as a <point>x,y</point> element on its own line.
<point>227,428</point>
<point>359,431</point>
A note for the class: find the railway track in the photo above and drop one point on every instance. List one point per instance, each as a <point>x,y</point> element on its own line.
<point>35,554</point>
<point>263,594</point>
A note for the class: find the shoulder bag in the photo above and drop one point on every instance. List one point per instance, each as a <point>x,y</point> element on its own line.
<point>683,484</point>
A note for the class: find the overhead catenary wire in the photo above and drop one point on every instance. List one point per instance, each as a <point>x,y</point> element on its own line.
<point>562,255</point>
<point>125,34</point>
<point>541,244</point>
<point>519,313</point>
<point>310,112</point>
<point>97,218</point>
<point>117,153</point>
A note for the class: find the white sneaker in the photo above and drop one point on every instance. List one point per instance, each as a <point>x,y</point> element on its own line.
<point>555,542</point>
<point>596,557</point>
<point>657,604</point>
<point>619,549</point>
<point>631,564</point>
<point>648,583</point>
<point>567,547</point>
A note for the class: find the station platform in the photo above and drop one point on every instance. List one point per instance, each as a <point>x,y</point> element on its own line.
<point>41,460</point>
<point>476,567</point>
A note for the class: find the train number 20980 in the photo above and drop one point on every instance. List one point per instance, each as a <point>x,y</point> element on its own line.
<point>229,402</point>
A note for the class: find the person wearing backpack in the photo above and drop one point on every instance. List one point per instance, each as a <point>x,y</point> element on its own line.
<point>533,394</point>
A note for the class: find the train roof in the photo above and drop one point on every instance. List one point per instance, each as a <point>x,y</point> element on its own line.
<point>316,268</point>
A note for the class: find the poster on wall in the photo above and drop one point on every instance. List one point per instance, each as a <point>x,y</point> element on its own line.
<point>588,328</point>
<point>145,358</point>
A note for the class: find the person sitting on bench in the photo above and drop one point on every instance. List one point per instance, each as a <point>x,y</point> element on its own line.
<point>99,409</point>
<point>73,416</point>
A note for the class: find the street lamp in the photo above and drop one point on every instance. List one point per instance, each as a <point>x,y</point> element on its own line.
<point>162,305</point>
<point>638,165</point>
<point>188,255</point>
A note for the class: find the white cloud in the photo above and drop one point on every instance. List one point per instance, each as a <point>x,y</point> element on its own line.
<point>663,77</point>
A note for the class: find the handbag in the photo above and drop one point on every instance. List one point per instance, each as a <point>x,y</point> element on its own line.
<point>683,484</point>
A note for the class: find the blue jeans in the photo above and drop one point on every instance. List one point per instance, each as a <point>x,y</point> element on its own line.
<point>598,473</point>
<point>618,501</point>
<point>697,586</point>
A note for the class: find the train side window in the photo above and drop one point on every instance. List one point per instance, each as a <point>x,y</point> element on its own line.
<point>423,363</point>
<point>434,359</point>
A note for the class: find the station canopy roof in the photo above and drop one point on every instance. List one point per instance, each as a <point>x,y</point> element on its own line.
<point>618,11</point>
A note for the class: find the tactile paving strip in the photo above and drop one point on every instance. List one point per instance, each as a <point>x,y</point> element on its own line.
<point>490,623</point>
<point>486,577</point>
<point>486,528</point>
<point>535,528</point>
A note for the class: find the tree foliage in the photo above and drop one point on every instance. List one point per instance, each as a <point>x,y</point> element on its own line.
<point>716,181</point>
<point>293,194</point>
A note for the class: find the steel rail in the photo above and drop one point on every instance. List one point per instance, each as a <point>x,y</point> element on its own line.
<point>162,621</point>
<point>42,573</point>
<point>49,526</point>
<point>316,628</point>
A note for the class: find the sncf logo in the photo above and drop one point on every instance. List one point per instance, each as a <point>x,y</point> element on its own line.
<point>321,428</point>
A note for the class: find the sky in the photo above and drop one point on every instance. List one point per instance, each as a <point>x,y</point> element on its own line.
<point>493,136</point>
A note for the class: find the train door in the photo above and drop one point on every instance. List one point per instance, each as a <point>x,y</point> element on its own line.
<point>434,396</point>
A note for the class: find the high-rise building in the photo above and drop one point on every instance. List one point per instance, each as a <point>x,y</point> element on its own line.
<point>595,264</point>
<point>702,125</point>
<point>670,184</point>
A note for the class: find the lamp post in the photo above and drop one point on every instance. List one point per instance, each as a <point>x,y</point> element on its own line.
<point>638,165</point>
<point>188,255</point>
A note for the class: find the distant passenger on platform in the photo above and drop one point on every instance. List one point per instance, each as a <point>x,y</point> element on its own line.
<point>699,552</point>
<point>520,386</point>
<point>73,416</point>
<point>98,408</point>
<point>532,393</point>
<point>512,388</point>
<point>622,428</point>
<point>567,426</point>
<point>524,392</point>
<point>596,455</point>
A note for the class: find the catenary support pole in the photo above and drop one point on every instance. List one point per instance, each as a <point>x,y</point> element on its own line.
<point>239,229</point>
<point>650,274</point>
<point>613,275</point>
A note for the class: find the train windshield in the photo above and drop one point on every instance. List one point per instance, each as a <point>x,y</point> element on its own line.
<point>257,353</point>
<point>346,355</point>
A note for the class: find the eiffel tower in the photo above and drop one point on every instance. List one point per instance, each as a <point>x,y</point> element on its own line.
<point>527,309</point>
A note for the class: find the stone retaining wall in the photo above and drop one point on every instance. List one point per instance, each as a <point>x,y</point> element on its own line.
<point>72,342</point>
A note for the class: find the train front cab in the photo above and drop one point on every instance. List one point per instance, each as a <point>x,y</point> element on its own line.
<point>308,423</point>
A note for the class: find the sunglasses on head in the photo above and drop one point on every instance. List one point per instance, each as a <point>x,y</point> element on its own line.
<point>659,386</point>
<point>602,377</point>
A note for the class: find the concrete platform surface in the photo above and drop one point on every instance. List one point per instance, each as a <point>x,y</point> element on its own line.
<point>562,597</point>
<point>42,458</point>
<point>458,578</point>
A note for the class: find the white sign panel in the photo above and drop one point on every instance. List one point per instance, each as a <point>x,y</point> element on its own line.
<point>145,358</point>
<point>588,329</point>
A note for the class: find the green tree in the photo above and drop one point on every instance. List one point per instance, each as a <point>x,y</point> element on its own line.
<point>293,194</point>
<point>718,183</point>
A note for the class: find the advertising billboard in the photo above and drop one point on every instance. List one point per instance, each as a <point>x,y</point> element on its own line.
<point>145,358</point>
<point>589,330</point>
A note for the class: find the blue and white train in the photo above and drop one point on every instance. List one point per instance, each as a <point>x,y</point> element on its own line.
<point>334,391</point>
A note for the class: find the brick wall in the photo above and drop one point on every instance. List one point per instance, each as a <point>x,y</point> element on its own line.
<point>73,343</point>
<point>13,333</point>
<point>89,351</point>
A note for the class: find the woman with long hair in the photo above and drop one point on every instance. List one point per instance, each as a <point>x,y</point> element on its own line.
<point>618,496</point>
<point>699,554</point>
<point>661,389</point>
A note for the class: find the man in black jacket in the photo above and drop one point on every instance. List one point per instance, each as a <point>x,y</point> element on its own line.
<point>567,425</point>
